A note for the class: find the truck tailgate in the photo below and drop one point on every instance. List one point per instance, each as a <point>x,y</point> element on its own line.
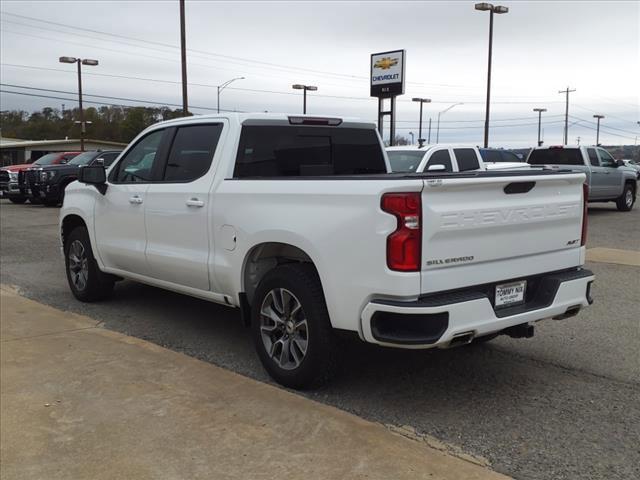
<point>478,230</point>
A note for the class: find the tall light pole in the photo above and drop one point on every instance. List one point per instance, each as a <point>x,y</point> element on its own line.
<point>440,113</point>
<point>183,56</point>
<point>539,110</point>
<point>566,114</point>
<point>223,86</point>
<point>491,9</point>
<point>80,62</point>
<point>598,117</point>
<point>422,101</point>
<point>304,88</point>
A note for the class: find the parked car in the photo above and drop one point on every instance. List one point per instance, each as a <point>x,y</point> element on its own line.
<point>500,155</point>
<point>447,158</point>
<point>51,181</point>
<point>608,179</point>
<point>632,164</point>
<point>9,187</point>
<point>296,221</point>
<point>27,175</point>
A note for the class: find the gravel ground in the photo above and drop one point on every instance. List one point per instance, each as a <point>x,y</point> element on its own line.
<point>563,405</point>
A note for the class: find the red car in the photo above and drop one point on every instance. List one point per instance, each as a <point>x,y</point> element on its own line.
<point>15,179</point>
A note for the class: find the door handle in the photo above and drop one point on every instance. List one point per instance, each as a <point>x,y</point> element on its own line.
<point>194,202</point>
<point>136,200</point>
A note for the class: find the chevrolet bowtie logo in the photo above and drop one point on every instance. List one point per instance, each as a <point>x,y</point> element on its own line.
<point>385,63</point>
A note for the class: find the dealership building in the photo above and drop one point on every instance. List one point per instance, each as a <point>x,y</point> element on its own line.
<point>14,151</point>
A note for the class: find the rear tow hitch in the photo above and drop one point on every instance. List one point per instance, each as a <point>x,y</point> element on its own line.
<point>520,331</point>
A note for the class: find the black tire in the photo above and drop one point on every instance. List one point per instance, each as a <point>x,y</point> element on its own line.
<point>17,200</point>
<point>97,285</point>
<point>628,198</point>
<point>35,201</point>
<point>319,361</point>
<point>50,203</point>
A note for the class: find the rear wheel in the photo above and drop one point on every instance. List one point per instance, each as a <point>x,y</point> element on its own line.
<point>291,328</point>
<point>627,199</point>
<point>17,200</point>
<point>86,281</point>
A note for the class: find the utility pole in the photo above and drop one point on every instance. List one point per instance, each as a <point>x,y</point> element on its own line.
<point>598,117</point>
<point>183,52</point>
<point>566,114</point>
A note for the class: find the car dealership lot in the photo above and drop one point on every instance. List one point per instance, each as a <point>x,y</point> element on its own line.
<point>565,404</point>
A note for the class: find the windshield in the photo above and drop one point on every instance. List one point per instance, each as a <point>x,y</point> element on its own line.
<point>47,159</point>
<point>83,158</point>
<point>556,156</point>
<point>405,161</point>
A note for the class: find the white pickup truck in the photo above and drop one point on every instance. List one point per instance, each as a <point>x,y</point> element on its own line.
<point>295,220</point>
<point>446,158</point>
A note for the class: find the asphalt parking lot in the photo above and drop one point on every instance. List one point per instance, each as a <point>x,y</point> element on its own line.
<point>564,404</point>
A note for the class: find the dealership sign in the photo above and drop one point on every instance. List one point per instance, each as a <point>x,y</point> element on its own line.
<point>387,73</point>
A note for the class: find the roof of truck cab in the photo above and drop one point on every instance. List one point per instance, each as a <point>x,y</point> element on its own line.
<point>266,117</point>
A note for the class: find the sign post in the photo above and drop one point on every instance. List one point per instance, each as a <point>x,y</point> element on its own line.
<point>387,81</point>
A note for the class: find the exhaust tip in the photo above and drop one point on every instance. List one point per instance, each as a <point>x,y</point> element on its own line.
<point>463,338</point>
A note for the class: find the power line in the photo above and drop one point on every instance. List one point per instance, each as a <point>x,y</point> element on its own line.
<point>608,114</point>
<point>602,126</point>
<point>324,73</point>
<point>150,102</point>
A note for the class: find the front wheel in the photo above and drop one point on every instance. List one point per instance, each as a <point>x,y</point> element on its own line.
<point>17,200</point>
<point>291,328</point>
<point>627,199</point>
<point>86,281</point>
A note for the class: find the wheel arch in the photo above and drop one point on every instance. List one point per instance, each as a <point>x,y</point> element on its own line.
<point>264,257</point>
<point>68,224</point>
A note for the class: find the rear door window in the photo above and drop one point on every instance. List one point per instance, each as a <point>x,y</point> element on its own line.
<point>466,158</point>
<point>192,152</point>
<point>440,157</point>
<point>593,157</point>
<point>291,151</point>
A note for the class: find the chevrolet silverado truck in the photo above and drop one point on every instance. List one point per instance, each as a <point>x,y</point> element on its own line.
<point>609,180</point>
<point>50,181</point>
<point>445,158</point>
<point>296,221</point>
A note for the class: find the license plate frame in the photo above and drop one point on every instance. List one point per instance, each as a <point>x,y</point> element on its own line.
<point>510,294</point>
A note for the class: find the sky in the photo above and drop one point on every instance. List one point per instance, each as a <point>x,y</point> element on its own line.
<point>539,48</point>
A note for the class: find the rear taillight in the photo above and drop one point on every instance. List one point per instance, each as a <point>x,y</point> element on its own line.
<point>585,211</point>
<point>404,245</point>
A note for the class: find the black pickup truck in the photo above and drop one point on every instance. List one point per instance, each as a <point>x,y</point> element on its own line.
<point>50,182</point>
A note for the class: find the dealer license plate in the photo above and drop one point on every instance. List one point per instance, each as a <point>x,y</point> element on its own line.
<point>510,293</point>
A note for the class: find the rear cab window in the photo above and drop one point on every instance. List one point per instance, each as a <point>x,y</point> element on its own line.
<point>272,151</point>
<point>556,156</point>
<point>405,161</point>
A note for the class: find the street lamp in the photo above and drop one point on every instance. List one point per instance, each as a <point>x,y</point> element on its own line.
<point>539,110</point>
<point>439,113</point>
<point>223,86</point>
<point>422,101</point>
<point>492,9</point>
<point>598,117</point>
<point>79,62</point>
<point>304,88</point>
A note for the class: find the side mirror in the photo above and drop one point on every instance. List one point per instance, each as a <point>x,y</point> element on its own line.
<point>94,175</point>
<point>619,163</point>
<point>436,168</point>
